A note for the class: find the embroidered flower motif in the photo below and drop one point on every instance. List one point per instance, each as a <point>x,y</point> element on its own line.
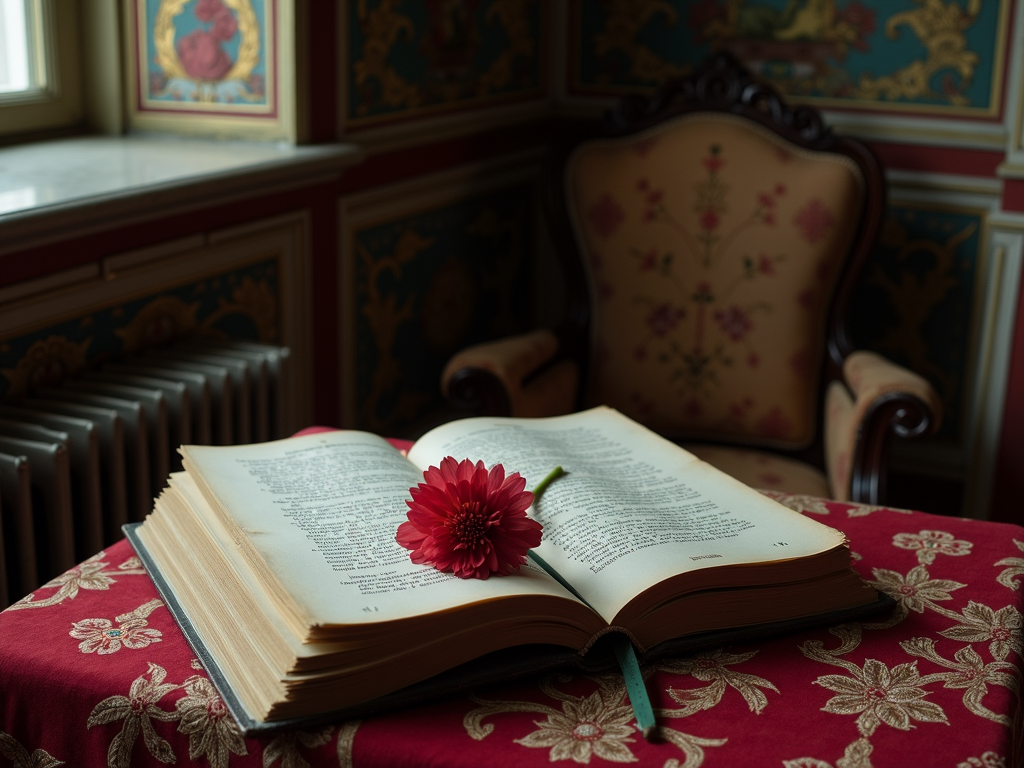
<point>1016,568</point>
<point>709,220</point>
<point>857,755</point>
<point>664,318</point>
<point>19,756</point>
<point>880,695</point>
<point>211,729</point>
<point>814,221</point>
<point>969,673</point>
<point>734,322</point>
<point>713,667</point>
<point>585,728</point>
<point>87,575</point>
<point>987,760</point>
<point>765,264</point>
<point>714,161</point>
<point>1001,629</point>
<point>470,521</point>
<point>605,215</point>
<point>916,591</point>
<point>649,260</point>
<point>138,709</point>
<point>286,747</point>
<point>103,637</point>
<point>931,543</point>
<point>863,510</point>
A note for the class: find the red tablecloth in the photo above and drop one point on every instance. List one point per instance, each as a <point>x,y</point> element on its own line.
<point>94,671</point>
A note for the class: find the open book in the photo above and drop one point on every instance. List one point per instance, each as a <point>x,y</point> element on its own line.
<point>280,561</point>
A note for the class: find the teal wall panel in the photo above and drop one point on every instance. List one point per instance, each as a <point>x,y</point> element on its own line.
<point>239,304</point>
<point>913,56</point>
<point>409,58</point>
<point>915,302</point>
<point>429,283</point>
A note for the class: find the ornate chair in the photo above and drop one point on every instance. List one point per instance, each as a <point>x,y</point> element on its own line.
<point>710,237</point>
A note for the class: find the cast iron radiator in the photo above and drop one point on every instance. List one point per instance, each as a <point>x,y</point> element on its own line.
<point>80,459</point>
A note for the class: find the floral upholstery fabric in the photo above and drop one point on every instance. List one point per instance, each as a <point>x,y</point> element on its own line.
<point>763,470</point>
<point>713,248</point>
<point>94,672</point>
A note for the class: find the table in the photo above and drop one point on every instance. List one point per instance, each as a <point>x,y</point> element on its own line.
<point>94,671</point>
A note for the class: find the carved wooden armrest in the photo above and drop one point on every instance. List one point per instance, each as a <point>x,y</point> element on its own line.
<point>508,377</point>
<point>883,399</point>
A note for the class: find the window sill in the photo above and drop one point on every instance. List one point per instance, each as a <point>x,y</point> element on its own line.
<point>61,189</point>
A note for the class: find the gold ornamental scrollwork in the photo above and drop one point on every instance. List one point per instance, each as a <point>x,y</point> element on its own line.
<point>248,49</point>
<point>940,27</point>
<point>625,19</point>
<point>381,28</point>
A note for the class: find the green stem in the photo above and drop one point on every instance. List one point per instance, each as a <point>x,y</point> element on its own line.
<point>553,475</point>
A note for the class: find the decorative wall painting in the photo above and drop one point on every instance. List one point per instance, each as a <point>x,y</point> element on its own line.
<point>910,56</point>
<point>212,67</point>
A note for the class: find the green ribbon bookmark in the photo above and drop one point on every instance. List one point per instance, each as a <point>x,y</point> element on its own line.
<point>621,645</point>
<point>635,688</point>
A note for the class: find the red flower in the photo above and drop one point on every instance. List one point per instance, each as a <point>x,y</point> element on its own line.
<point>470,521</point>
<point>709,220</point>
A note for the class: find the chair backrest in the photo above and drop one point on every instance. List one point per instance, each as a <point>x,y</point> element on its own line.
<point>717,233</point>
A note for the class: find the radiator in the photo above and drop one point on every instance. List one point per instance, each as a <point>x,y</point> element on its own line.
<point>81,459</point>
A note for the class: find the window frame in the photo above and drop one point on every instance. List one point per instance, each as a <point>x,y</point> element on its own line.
<point>58,103</point>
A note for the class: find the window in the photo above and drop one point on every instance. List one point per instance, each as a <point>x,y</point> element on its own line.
<point>17,75</point>
<point>39,67</point>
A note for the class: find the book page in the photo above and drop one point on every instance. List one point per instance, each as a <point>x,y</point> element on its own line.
<point>319,514</point>
<point>633,509</point>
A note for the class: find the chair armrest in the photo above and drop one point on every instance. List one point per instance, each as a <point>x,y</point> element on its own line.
<point>883,399</point>
<point>508,377</point>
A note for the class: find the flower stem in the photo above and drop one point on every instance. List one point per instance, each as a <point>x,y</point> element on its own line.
<point>553,475</point>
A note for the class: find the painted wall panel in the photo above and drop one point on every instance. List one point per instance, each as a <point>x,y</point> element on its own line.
<point>249,285</point>
<point>916,300</point>
<point>423,277</point>
<point>411,60</point>
<point>914,57</point>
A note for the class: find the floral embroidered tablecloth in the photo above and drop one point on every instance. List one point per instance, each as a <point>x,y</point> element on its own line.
<point>93,671</point>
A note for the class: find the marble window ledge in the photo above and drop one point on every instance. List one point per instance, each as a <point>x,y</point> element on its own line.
<point>57,190</point>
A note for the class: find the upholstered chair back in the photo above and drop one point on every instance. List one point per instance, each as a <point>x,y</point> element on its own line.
<point>712,248</point>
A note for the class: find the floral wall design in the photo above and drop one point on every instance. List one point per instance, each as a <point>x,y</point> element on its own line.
<point>428,284</point>
<point>915,301</point>
<point>211,56</point>
<point>408,58</point>
<point>240,304</point>
<point>910,55</point>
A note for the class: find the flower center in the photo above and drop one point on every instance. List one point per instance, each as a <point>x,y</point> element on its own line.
<point>906,589</point>
<point>878,694</point>
<point>1001,633</point>
<point>469,524</point>
<point>587,731</point>
<point>112,632</point>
